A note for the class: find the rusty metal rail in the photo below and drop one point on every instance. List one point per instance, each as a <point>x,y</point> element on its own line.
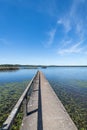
<point>8,123</point>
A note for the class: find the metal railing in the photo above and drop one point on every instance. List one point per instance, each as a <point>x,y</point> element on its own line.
<point>8,123</point>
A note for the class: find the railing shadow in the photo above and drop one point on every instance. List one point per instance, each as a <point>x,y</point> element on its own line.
<point>40,121</point>
<point>39,109</point>
<point>32,112</point>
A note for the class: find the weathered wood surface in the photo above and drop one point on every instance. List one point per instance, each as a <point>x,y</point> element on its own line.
<point>45,110</point>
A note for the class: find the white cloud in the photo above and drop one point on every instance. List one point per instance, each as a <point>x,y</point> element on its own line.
<point>72,20</point>
<point>66,42</point>
<point>74,6</point>
<point>72,50</point>
<point>80,30</point>
<point>51,35</point>
<point>60,21</point>
<point>66,23</point>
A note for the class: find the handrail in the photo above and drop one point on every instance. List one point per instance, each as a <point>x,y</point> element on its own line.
<point>8,123</point>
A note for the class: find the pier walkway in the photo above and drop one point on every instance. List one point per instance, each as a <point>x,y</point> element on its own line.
<point>44,110</point>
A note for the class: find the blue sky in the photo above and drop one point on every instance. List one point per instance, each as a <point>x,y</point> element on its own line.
<point>43,32</point>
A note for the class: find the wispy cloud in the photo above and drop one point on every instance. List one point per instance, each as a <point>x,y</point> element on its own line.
<point>66,23</point>
<point>72,20</point>
<point>76,48</point>
<point>75,24</point>
<point>51,35</point>
<point>66,42</point>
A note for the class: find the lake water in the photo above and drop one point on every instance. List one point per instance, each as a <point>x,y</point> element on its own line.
<point>69,83</point>
<point>60,73</point>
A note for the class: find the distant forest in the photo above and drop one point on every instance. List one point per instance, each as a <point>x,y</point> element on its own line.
<point>4,67</point>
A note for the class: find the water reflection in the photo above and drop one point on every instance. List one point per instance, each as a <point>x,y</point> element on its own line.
<point>19,75</point>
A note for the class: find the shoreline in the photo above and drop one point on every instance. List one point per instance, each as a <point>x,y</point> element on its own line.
<point>9,68</point>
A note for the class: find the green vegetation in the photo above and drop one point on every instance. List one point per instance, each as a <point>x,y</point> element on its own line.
<point>81,83</point>
<point>72,93</point>
<point>74,98</point>
<point>8,67</point>
<point>9,95</point>
<point>5,67</point>
<point>18,120</point>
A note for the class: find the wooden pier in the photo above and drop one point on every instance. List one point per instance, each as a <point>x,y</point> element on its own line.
<point>44,111</point>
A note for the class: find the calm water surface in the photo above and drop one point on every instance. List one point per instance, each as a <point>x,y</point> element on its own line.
<point>69,83</point>
<point>19,75</point>
<point>60,73</point>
